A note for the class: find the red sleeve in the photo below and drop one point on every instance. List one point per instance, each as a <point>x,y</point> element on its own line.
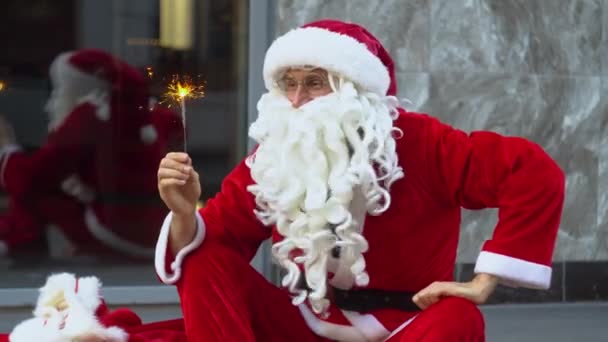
<point>487,170</point>
<point>59,157</point>
<point>229,216</point>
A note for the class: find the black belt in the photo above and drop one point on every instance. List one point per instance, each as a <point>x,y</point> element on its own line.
<point>365,300</point>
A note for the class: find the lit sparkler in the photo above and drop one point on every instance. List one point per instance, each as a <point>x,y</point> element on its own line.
<point>2,85</point>
<point>180,89</point>
<point>150,72</point>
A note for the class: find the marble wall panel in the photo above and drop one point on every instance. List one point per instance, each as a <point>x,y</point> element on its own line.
<point>604,42</point>
<point>602,190</point>
<point>542,36</point>
<point>455,36</point>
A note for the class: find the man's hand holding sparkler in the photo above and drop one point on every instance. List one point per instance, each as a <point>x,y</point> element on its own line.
<point>180,189</point>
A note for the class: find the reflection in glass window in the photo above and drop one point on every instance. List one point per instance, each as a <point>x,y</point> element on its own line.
<point>84,121</point>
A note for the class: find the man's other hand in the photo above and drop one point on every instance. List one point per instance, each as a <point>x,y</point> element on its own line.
<point>477,290</point>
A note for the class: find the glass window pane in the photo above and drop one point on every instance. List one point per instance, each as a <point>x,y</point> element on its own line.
<point>79,150</point>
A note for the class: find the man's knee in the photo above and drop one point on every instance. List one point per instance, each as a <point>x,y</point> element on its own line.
<point>460,317</point>
<point>450,319</point>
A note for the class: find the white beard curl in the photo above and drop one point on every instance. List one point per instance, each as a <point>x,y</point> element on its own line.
<point>308,164</point>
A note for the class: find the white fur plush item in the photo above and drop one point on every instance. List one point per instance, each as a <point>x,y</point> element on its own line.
<point>65,312</point>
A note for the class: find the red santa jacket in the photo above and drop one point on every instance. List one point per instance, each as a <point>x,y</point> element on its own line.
<point>415,241</point>
<point>109,165</point>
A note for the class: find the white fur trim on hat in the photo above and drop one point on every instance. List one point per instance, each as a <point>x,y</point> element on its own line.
<point>86,291</point>
<point>338,53</point>
<point>65,311</point>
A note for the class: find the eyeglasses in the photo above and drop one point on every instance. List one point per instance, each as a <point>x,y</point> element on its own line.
<point>313,84</point>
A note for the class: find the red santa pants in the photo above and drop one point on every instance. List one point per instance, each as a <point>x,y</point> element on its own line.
<point>224,299</point>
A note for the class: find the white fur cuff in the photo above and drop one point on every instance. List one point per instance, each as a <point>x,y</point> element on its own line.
<point>513,271</point>
<point>163,244</point>
<point>66,311</point>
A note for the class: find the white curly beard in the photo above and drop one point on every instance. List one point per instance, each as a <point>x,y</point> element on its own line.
<point>309,162</point>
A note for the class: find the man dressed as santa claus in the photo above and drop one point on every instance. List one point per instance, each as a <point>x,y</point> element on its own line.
<point>94,178</point>
<point>362,201</point>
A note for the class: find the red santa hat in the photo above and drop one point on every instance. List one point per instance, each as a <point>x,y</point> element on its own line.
<point>109,79</point>
<point>343,48</point>
<point>99,65</point>
<point>71,308</point>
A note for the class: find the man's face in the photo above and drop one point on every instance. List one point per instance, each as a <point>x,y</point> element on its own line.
<point>302,85</point>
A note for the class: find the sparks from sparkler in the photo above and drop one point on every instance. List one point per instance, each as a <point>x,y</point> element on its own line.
<point>179,89</point>
<point>2,85</point>
<point>150,72</point>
